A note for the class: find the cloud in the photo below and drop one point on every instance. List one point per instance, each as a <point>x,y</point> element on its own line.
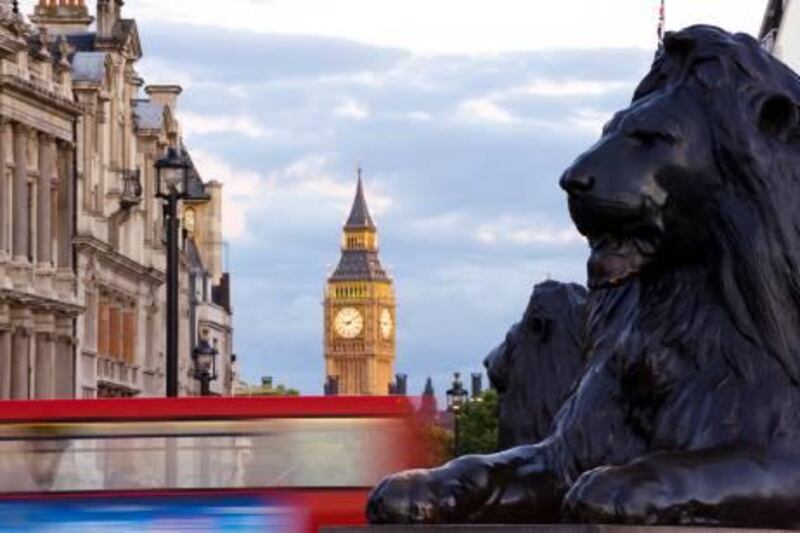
<point>351,109</point>
<point>300,188</point>
<point>590,120</point>
<point>484,110</point>
<point>245,57</point>
<point>241,191</point>
<point>199,124</point>
<point>520,231</point>
<point>461,157</point>
<point>472,26</point>
<point>419,115</point>
<point>562,88</point>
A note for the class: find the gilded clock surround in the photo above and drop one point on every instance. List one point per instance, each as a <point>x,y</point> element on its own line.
<point>363,362</point>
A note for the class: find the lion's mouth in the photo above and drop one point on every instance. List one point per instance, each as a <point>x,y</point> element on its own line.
<point>617,258</point>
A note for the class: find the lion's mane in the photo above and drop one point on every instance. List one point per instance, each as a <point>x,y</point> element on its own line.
<point>752,252</point>
<point>536,366</point>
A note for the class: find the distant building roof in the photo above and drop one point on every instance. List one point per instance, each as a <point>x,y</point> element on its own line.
<point>359,213</point>
<point>356,265</point>
<point>196,189</point>
<point>193,257</point>
<point>428,388</point>
<point>89,66</point>
<point>149,115</point>
<point>82,42</point>
<point>359,264</point>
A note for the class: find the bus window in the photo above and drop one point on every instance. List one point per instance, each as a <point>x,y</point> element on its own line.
<point>291,452</point>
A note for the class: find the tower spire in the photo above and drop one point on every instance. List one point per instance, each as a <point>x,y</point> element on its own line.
<point>359,213</point>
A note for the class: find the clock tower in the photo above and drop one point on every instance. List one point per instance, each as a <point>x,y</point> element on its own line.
<point>359,310</point>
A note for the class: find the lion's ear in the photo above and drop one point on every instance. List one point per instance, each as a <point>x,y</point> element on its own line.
<point>778,115</point>
<point>680,42</point>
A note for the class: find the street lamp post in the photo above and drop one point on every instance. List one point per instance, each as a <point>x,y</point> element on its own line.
<point>205,365</point>
<point>172,177</point>
<point>456,398</point>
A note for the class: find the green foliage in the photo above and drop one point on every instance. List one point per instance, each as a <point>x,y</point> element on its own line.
<point>280,390</point>
<point>438,445</point>
<point>477,425</point>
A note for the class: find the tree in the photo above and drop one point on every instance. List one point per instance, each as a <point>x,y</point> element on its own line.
<point>477,425</point>
<point>437,445</point>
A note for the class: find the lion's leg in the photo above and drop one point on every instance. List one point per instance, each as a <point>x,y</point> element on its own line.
<point>522,484</point>
<point>518,485</point>
<point>725,487</point>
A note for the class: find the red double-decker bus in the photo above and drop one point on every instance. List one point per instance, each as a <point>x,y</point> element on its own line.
<point>260,464</point>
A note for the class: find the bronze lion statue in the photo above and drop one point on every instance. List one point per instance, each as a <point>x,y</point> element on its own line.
<point>536,366</point>
<point>688,411</point>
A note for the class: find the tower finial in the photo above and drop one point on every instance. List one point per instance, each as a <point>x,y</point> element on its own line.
<point>358,168</point>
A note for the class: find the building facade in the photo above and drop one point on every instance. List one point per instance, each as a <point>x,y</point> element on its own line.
<point>85,257</point>
<point>359,311</point>
<point>38,295</point>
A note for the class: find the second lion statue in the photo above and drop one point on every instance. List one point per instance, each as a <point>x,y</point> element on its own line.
<point>688,411</point>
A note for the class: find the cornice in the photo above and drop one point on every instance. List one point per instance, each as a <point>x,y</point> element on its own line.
<point>42,96</point>
<point>119,260</point>
<point>42,302</point>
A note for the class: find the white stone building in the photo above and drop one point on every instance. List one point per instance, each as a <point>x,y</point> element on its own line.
<point>82,265</point>
<point>38,299</point>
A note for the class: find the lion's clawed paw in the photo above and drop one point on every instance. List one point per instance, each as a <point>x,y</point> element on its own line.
<point>452,493</point>
<point>613,495</point>
<point>407,497</point>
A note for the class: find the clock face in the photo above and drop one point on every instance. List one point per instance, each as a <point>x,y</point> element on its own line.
<point>348,322</point>
<point>386,324</point>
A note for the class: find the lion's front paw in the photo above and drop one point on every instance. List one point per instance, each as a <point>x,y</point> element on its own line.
<point>456,492</point>
<point>615,495</point>
<point>407,497</point>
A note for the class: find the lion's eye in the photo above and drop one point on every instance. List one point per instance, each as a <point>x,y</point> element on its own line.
<point>648,138</point>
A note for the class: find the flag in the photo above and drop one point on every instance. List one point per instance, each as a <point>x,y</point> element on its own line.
<point>661,19</point>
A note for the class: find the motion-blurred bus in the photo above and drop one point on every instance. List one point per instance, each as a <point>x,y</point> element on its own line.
<point>234,464</point>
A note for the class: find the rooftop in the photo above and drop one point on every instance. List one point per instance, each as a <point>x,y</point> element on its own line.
<point>359,213</point>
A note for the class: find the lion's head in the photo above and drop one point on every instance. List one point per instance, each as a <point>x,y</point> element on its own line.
<point>535,367</point>
<point>700,174</point>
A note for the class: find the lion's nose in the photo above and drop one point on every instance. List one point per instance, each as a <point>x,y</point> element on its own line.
<point>576,182</point>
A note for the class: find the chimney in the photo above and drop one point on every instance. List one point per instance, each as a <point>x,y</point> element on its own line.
<point>108,13</point>
<point>332,386</point>
<point>399,387</point>
<point>477,385</point>
<point>62,17</point>
<point>166,95</point>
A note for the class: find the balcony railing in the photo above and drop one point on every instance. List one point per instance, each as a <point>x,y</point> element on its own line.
<point>131,188</point>
<point>118,373</point>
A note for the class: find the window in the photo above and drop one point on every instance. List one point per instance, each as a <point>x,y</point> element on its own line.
<point>31,221</point>
<point>307,452</point>
<point>129,336</point>
<point>115,328</point>
<point>104,322</point>
<point>189,219</point>
<point>90,322</point>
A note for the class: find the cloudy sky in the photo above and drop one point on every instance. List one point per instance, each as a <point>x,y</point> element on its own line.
<point>463,113</point>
